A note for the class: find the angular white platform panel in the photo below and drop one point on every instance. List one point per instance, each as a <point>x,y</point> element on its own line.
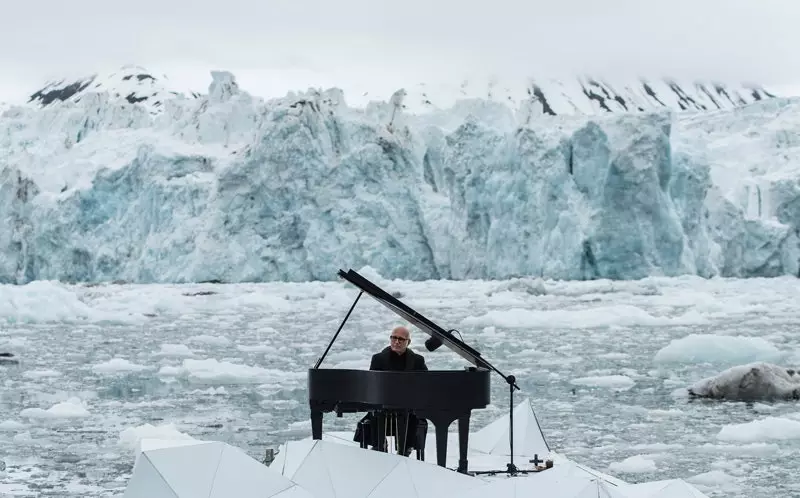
<point>210,469</point>
<point>528,438</point>
<point>332,470</point>
<point>289,455</point>
<point>566,479</point>
<point>668,488</point>
<point>333,473</point>
<point>149,444</point>
<point>601,489</point>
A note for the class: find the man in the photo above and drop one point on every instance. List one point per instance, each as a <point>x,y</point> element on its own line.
<point>397,356</point>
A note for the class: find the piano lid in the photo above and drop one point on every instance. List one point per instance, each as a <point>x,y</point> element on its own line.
<point>426,325</point>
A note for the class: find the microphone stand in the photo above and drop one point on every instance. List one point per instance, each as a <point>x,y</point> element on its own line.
<point>432,344</point>
<point>510,469</point>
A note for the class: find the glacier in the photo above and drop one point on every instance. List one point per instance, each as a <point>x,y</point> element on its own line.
<point>229,187</point>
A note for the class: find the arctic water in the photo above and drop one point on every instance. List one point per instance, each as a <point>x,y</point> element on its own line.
<point>605,364</point>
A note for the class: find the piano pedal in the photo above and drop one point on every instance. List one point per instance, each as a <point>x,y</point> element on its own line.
<point>269,456</point>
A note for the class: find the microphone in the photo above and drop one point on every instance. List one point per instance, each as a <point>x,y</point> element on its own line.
<point>433,343</point>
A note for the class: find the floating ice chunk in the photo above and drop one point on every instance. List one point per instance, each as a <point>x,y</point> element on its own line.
<point>713,479</point>
<point>132,436</point>
<point>766,429</point>
<point>41,374</point>
<point>637,464</point>
<point>711,348</point>
<point>211,371</point>
<point>211,340</point>
<point>619,382</point>
<point>256,348</point>
<point>750,382</point>
<point>621,315</point>
<point>174,350</point>
<point>46,301</point>
<point>118,365</point>
<point>11,425</point>
<point>72,408</point>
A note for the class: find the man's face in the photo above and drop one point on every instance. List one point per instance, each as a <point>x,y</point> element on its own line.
<point>399,339</point>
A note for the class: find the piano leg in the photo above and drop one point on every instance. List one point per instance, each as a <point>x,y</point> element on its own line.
<point>442,420</point>
<point>441,442</point>
<point>403,432</point>
<point>380,431</point>
<point>463,442</point>
<point>316,424</point>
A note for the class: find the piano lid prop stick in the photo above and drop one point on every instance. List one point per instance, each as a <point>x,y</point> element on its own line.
<point>319,362</point>
<point>404,448</point>
<point>460,347</point>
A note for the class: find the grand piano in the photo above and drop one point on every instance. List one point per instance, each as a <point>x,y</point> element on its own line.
<point>440,397</point>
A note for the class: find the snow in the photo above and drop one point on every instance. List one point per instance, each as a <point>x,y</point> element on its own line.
<point>133,84</point>
<point>230,187</point>
<point>587,95</point>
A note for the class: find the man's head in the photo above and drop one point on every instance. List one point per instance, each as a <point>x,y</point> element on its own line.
<point>399,339</point>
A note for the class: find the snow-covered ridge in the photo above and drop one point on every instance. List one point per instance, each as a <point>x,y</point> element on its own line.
<point>132,84</point>
<point>587,95</point>
<point>579,95</point>
<point>229,187</point>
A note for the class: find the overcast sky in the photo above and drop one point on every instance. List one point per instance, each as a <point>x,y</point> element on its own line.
<point>273,45</point>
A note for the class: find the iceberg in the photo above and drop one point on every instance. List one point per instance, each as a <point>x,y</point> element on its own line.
<point>228,187</point>
<point>758,381</point>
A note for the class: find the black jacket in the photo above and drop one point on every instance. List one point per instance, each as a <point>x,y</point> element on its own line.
<point>418,428</point>
<point>383,360</point>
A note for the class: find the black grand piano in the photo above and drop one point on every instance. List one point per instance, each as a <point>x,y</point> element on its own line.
<point>439,396</point>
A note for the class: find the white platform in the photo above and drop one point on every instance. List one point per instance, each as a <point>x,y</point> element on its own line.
<point>336,467</point>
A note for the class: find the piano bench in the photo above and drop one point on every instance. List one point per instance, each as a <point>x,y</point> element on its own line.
<point>364,428</point>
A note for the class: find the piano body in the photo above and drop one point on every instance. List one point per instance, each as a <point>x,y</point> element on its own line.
<point>438,396</point>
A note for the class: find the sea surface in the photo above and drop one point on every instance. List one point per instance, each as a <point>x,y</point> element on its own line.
<point>605,365</point>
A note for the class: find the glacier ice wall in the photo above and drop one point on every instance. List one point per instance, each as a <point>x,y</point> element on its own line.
<point>227,187</point>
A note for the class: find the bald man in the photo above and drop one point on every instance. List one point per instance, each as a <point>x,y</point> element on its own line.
<point>397,355</point>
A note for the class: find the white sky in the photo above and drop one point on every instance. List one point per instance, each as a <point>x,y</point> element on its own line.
<point>273,46</point>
